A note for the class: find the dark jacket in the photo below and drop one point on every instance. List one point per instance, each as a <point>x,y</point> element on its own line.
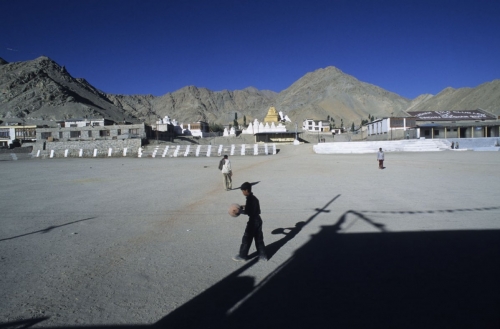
<point>252,207</point>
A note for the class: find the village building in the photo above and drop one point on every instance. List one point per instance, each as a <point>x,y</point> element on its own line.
<point>316,125</point>
<point>16,135</point>
<point>476,123</point>
<point>391,128</point>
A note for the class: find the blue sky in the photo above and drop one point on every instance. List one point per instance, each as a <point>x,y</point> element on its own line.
<point>155,47</point>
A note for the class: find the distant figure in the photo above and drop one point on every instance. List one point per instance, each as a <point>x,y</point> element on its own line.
<point>380,158</point>
<point>253,230</point>
<point>407,135</point>
<point>452,145</point>
<point>225,167</point>
<point>456,146</point>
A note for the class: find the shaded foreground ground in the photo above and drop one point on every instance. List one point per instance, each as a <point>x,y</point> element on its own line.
<point>148,242</point>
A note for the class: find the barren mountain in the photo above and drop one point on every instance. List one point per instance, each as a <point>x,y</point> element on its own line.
<point>485,96</point>
<point>43,90</point>
<point>330,92</point>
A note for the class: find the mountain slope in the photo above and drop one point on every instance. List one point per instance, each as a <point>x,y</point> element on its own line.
<point>331,92</point>
<point>485,96</point>
<point>43,90</point>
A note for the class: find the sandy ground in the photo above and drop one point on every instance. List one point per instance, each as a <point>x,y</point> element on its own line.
<point>88,242</point>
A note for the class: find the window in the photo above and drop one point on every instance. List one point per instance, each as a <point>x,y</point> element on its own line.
<point>73,125</point>
<point>60,134</point>
<point>133,131</point>
<point>4,133</point>
<point>95,124</point>
<point>46,135</point>
<point>436,132</point>
<point>90,133</point>
<point>119,132</point>
<point>103,133</point>
<point>427,132</point>
<point>74,134</point>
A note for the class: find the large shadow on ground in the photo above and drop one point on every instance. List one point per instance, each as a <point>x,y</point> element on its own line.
<point>437,279</point>
<point>433,279</point>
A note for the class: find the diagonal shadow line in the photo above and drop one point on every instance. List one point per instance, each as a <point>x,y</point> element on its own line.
<point>342,219</point>
<point>419,212</point>
<point>48,229</point>
<point>21,324</point>
<point>273,248</point>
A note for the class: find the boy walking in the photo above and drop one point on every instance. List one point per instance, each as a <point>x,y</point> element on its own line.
<point>226,173</point>
<point>253,231</point>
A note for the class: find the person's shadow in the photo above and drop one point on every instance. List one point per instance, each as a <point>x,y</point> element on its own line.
<point>273,248</point>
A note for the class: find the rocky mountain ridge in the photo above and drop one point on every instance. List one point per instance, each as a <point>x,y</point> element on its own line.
<point>42,90</point>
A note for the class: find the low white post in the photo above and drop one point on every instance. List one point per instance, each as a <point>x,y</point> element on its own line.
<point>242,149</point>
<point>232,149</point>
<point>165,151</point>
<point>219,152</point>
<point>176,152</point>
<point>51,153</point>
<point>80,154</point>
<point>265,149</point>
<point>110,151</point>
<point>38,153</point>
<point>274,148</point>
<point>198,150</point>
<point>209,149</point>
<point>187,150</point>
<point>256,149</point>
<point>125,152</point>
<point>66,153</point>
<point>139,152</point>
<point>95,153</point>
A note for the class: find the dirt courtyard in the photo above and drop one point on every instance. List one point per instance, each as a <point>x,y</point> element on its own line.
<point>147,242</point>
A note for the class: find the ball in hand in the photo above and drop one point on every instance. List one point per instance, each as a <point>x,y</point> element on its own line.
<point>234,210</point>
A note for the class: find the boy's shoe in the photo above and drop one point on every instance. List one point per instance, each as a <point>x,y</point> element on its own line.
<point>238,258</point>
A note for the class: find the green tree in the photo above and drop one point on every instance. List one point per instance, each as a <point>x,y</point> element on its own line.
<point>245,121</point>
<point>214,127</point>
<point>235,123</point>
<point>352,127</point>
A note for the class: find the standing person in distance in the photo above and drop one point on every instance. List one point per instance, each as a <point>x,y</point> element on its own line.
<point>227,172</point>
<point>253,231</point>
<point>380,158</point>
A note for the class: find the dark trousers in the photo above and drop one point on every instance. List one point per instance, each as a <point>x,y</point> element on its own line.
<point>253,231</point>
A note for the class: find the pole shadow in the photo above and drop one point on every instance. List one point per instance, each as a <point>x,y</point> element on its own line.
<point>46,230</point>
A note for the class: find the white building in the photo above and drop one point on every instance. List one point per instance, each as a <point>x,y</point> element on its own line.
<point>8,134</point>
<point>394,125</point>
<point>316,125</point>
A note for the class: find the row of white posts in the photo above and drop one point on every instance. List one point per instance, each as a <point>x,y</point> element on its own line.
<point>80,153</point>
<point>177,150</point>
<point>233,150</point>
